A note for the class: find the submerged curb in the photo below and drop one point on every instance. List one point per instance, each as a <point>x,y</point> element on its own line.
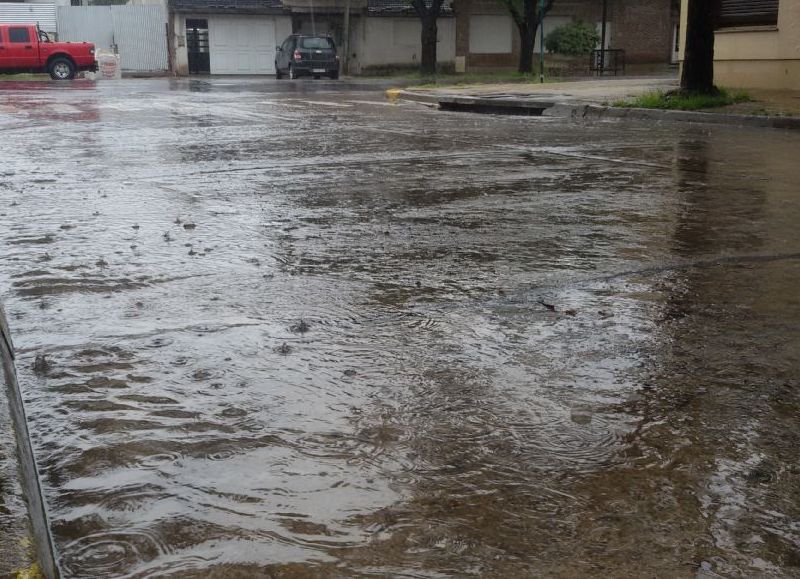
<point>534,106</point>
<point>37,510</point>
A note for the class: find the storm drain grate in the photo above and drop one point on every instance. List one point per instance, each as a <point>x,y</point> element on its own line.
<point>494,109</point>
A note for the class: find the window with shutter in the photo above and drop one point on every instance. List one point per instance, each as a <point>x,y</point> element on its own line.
<point>748,12</point>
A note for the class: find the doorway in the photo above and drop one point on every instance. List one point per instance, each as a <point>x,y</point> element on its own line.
<point>197,46</point>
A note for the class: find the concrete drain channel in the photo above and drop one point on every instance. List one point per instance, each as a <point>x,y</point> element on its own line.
<point>496,105</point>
<point>29,473</point>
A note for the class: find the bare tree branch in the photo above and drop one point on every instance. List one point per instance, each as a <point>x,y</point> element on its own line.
<point>515,14</point>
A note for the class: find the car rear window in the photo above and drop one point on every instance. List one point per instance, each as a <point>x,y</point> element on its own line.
<point>316,43</point>
<point>18,35</point>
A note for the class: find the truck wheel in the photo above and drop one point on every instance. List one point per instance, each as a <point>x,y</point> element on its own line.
<point>61,69</point>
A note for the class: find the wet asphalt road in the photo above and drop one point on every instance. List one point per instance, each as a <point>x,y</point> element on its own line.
<point>294,330</point>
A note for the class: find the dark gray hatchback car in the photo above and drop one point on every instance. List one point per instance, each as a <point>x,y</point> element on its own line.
<point>307,56</point>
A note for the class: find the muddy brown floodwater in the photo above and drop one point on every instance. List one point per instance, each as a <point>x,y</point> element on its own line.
<point>293,330</point>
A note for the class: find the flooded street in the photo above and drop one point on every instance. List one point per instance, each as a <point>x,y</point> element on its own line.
<point>273,329</point>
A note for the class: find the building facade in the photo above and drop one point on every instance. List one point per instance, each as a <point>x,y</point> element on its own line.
<point>757,44</point>
<point>228,37</point>
<point>240,36</point>
<point>486,36</point>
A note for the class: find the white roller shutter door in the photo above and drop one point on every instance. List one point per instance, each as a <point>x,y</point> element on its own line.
<point>242,44</point>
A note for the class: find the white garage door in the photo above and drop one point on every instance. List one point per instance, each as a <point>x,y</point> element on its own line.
<point>241,45</point>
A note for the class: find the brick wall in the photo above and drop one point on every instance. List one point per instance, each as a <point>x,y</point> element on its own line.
<point>587,10</point>
<point>643,28</point>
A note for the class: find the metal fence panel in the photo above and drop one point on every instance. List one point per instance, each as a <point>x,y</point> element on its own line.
<point>20,13</point>
<point>138,33</point>
<point>86,23</point>
<point>142,32</point>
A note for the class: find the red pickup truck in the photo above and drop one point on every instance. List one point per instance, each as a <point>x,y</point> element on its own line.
<point>25,48</point>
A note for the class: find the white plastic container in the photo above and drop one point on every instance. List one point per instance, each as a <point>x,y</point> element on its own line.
<point>108,65</point>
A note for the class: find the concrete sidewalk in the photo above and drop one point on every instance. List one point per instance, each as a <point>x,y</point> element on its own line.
<point>593,99</point>
<point>594,91</point>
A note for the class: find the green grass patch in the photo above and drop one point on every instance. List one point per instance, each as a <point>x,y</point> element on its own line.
<point>684,102</point>
<point>23,76</point>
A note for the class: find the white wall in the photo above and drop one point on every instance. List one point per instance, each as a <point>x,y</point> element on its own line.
<point>490,33</point>
<point>396,40</point>
<point>283,28</point>
<point>609,35</point>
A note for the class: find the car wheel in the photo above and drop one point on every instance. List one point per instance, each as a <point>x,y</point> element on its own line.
<point>292,75</point>
<point>61,69</point>
<point>335,75</point>
<point>278,74</point>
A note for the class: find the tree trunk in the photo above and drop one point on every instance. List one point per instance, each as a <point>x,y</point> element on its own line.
<point>527,38</point>
<point>429,33</point>
<point>698,58</point>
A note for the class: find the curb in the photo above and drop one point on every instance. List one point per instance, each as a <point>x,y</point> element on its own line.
<point>394,94</point>
<point>31,487</point>
<point>764,122</point>
<point>536,107</point>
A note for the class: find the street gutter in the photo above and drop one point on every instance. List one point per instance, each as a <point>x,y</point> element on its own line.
<point>495,105</point>
<point>509,104</point>
<point>759,121</point>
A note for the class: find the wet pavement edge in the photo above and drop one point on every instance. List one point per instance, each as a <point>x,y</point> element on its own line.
<point>37,520</point>
<point>591,111</point>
